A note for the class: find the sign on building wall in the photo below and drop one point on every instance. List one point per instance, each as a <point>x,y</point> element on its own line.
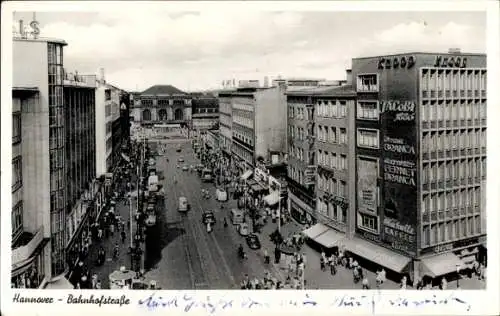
<point>367,184</point>
<point>399,175</point>
<point>261,176</point>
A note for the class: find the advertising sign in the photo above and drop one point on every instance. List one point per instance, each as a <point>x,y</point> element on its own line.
<point>367,184</point>
<point>399,175</point>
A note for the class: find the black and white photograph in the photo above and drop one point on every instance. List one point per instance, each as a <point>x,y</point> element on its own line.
<point>162,149</point>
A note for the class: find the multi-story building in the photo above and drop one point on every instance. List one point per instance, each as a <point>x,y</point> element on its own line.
<point>59,139</point>
<point>80,159</point>
<point>204,111</point>
<point>31,265</point>
<point>162,105</point>
<point>225,122</point>
<point>420,161</point>
<point>258,124</point>
<point>320,168</point>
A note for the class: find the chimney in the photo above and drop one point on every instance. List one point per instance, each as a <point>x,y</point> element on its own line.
<point>348,76</point>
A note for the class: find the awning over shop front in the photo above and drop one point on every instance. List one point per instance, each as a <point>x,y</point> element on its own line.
<point>378,254</point>
<point>316,230</point>
<point>61,284</point>
<point>127,159</point>
<point>272,198</point>
<point>441,264</point>
<point>329,239</point>
<point>246,175</point>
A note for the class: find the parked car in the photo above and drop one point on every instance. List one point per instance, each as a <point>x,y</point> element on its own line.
<point>208,217</point>
<point>181,159</point>
<point>253,241</point>
<point>185,168</point>
<point>243,229</point>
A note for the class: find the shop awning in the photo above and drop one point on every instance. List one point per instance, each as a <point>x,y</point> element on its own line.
<point>329,239</point>
<point>272,198</point>
<point>316,230</point>
<point>378,254</point>
<point>127,159</point>
<point>441,264</point>
<point>246,175</point>
<point>61,284</point>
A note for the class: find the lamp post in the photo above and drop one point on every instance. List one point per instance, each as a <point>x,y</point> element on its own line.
<point>458,275</point>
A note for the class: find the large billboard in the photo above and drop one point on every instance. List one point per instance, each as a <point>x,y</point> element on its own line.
<point>367,185</point>
<point>399,175</point>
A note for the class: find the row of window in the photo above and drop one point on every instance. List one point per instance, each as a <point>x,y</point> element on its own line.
<point>332,134</point>
<point>56,116</point>
<point>454,139</point>
<point>297,132</point>
<point>451,230</point>
<point>225,120</point>
<point>243,133</point>
<point>242,106</point>
<point>57,180</point>
<point>299,112</point>
<point>108,128</point>
<point>204,110</point>
<point>332,211</point>
<point>296,174</point>
<point>17,173</point>
<point>16,128</point>
<point>56,95</point>
<point>296,152</point>
<point>242,152</point>
<point>443,201</point>
<point>332,160</point>
<point>332,108</point>
<point>244,121</point>
<point>368,138</point>
<point>225,107</point>
<point>453,170</point>
<point>55,53</point>
<point>453,80</point>
<point>456,110</point>
<point>332,185</point>
<point>56,159</point>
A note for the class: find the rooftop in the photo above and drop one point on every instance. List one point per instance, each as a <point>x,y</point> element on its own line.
<point>162,90</point>
<point>40,39</point>
<point>340,91</point>
<point>423,53</point>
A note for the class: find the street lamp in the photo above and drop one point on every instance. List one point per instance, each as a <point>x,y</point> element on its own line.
<point>458,275</point>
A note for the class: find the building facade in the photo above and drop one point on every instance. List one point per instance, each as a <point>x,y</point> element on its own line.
<point>57,158</point>
<point>258,124</point>
<point>420,161</point>
<point>320,157</point>
<point>162,104</point>
<point>205,111</point>
<point>225,122</point>
<point>31,266</point>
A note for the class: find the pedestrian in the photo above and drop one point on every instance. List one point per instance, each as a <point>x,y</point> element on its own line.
<point>267,258</point>
<point>403,283</point>
<point>365,283</point>
<point>332,263</point>
<point>322,263</point>
<point>98,285</point>
<point>123,235</point>
<point>444,284</point>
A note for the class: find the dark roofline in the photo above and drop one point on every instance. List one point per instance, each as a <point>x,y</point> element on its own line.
<point>422,53</point>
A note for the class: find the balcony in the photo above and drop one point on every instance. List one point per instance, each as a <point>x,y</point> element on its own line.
<point>27,246</point>
<point>367,88</point>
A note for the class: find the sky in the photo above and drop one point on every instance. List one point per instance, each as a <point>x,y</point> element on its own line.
<point>197,50</point>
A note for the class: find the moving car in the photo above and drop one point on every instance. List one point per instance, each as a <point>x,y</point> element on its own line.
<point>183,204</point>
<point>243,229</point>
<point>178,149</point>
<point>185,168</point>
<point>208,217</point>
<point>253,241</point>
<point>237,216</point>
<point>206,175</point>
<point>181,159</point>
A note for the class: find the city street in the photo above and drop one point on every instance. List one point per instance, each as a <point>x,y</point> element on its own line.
<point>180,251</point>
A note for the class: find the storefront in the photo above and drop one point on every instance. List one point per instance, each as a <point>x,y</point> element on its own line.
<point>29,273</point>
<point>300,210</point>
